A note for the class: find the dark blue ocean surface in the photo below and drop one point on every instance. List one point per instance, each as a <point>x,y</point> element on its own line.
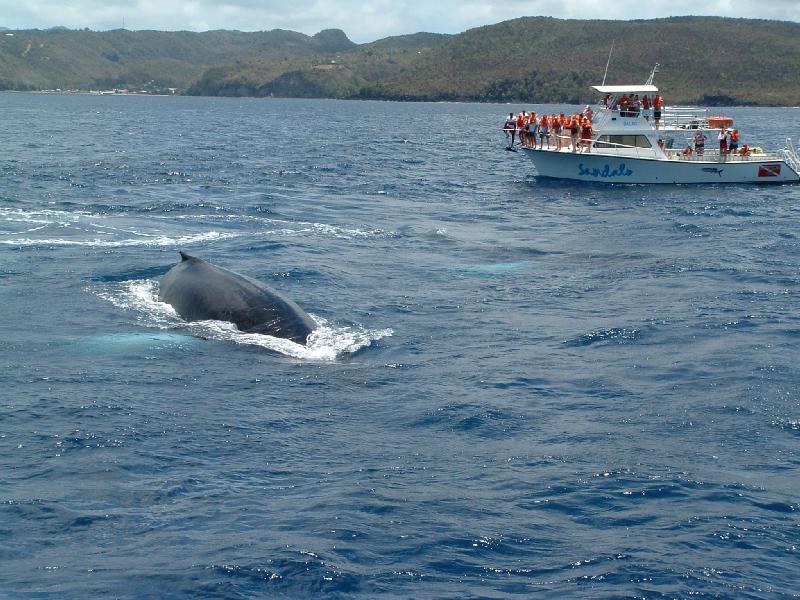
<point>519,386</point>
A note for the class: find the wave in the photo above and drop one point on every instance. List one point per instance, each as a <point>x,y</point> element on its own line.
<point>85,226</point>
<point>290,227</point>
<point>324,344</point>
<point>615,335</point>
<point>145,240</point>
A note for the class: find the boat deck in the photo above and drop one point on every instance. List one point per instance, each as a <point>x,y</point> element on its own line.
<point>710,154</point>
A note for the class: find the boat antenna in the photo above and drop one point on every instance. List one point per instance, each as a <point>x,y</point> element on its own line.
<point>652,75</point>
<point>608,61</point>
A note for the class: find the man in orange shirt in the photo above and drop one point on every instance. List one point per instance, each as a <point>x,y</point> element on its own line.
<point>658,102</point>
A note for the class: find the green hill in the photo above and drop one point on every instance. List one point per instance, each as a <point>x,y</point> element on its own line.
<point>70,59</point>
<point>702,58</point>
<point>705,60</point>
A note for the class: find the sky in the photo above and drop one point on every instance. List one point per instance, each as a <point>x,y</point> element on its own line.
<point>363,21</point>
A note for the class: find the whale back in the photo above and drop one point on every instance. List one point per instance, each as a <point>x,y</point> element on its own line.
<point>199,291</point>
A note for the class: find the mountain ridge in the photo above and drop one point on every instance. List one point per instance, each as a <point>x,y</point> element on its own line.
<point>704,60</point>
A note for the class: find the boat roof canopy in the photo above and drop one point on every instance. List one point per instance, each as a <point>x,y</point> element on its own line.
<point>641,88</point>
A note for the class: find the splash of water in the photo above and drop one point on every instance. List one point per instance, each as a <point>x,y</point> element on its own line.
<point>324,344</point>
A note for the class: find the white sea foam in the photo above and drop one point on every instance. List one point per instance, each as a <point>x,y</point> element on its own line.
<point>44,215</point>
<point>144,240</point>
<point>82,229</point>
<point>326,343</point>
<point>141,297</point>
<point>288,228</point>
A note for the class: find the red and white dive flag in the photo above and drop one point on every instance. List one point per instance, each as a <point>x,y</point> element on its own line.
<point>769,170</point>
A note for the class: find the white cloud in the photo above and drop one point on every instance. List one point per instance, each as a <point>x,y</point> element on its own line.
<point>362,21</point>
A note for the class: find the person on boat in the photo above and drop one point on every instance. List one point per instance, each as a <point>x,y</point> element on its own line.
<point>519,123</point>
<point>544,132</point>
<point>623,106</point>
<point>699,143</point>
<point>586,134</point>
<point>733,145</point>
<point>658,102</point>
<point>523,133</point>
<point>687,152</point>
<point>646,107</point>
<point>555,135</point>
<point>534,129</point>
<point>574,131</point>
<point>745,151</point>
<point>723,144</point>
<point>637,106</point>
<point>661,143</point>
<point>560,126</point>
<point>521,118</point>
<point>510,127</point>
<point>587,112</point>
<point>606,100</point>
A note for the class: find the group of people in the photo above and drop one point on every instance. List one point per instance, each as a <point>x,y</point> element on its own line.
<point>633,106</point>
<point>562,131</point>
<point>728,144</point>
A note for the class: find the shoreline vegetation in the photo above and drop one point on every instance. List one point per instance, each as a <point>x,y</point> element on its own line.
<point>706,61</point>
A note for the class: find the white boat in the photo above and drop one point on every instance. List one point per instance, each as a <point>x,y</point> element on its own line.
<point>625,149</point>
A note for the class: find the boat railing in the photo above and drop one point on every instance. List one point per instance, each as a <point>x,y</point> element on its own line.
<point>713,155</point>
<point>685,117</point>
<point>566,142</point>
<point>790,155</point>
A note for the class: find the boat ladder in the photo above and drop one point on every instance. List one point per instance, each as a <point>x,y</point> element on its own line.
<point>790,155</point>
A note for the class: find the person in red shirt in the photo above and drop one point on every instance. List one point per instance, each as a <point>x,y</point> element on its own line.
<point>586,134</point>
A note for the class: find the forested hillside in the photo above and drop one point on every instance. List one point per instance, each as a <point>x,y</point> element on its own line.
<point>705,60</point>
<point>154,60</point>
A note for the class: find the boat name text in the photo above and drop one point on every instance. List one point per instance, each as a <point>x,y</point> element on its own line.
<point>606,171</point>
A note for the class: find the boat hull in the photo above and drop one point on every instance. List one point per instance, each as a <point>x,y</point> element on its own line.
<point>603,168</point>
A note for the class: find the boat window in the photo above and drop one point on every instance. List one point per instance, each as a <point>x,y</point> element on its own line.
<point>616,141</point>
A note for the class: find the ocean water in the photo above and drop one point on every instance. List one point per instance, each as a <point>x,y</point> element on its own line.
<point>519,387</point>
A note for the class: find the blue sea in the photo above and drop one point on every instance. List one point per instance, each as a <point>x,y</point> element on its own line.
<point>518,387</point>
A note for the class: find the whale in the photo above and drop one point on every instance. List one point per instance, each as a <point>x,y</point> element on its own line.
<point>200,291</point>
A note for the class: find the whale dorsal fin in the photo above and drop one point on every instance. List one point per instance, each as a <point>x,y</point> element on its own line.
<point>185,256</point>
